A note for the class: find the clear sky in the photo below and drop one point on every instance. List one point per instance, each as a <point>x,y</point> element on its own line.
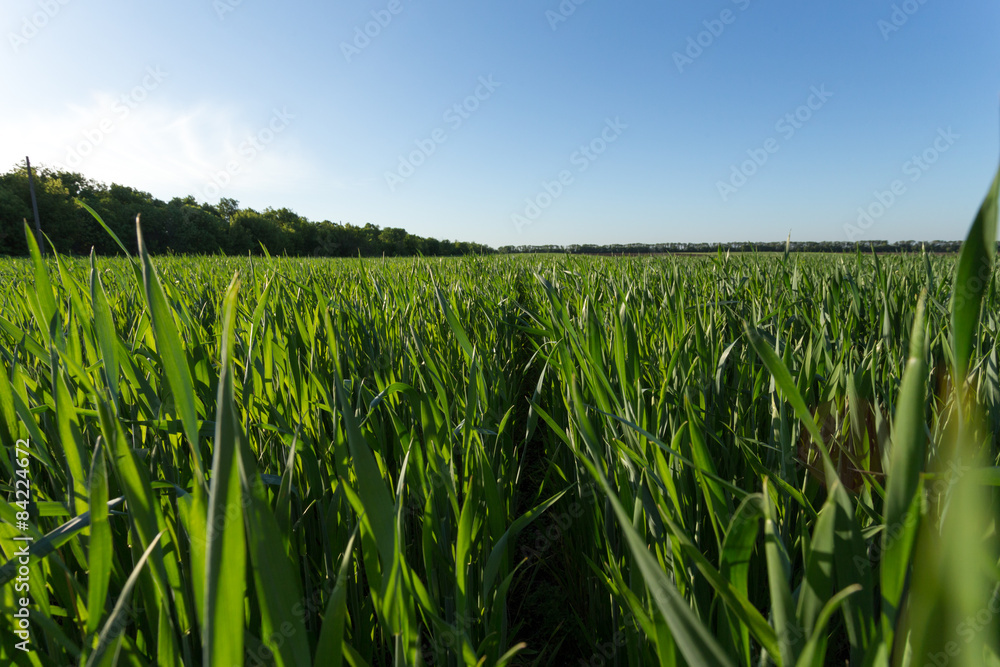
<point>586,121</point>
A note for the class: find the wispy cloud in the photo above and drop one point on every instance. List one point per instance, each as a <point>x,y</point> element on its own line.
<point>156,145</point>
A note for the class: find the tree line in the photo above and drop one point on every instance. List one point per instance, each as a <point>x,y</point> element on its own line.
<point>185,226</point>
<point>879,246</point>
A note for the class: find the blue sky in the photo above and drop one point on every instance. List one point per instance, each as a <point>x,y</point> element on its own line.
<point>525,122</point>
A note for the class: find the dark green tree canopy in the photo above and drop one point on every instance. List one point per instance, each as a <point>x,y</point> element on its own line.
<point>185,226</point>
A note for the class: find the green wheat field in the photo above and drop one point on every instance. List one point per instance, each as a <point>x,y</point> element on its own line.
<point>715,460</point>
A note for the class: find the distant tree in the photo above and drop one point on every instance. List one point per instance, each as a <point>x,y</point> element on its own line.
<point>227,208</point>
<point>13,212</point>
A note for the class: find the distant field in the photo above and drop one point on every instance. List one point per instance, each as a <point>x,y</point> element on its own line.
<point>550,460</point>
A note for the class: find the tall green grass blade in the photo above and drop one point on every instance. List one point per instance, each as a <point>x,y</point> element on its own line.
<point>101,547</point>
<point>104,639</point>
<point>789,633</point>
<point>902,511</point>
<point>104,328</point>
<point>43,286</point>
<point>225,567</point>
<point>973,275</point>
<point>330,647</point>
<point>814,653</point>
<point>174,360</point>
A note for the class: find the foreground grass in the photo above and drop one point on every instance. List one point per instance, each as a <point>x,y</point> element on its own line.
<point>542,460</point>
